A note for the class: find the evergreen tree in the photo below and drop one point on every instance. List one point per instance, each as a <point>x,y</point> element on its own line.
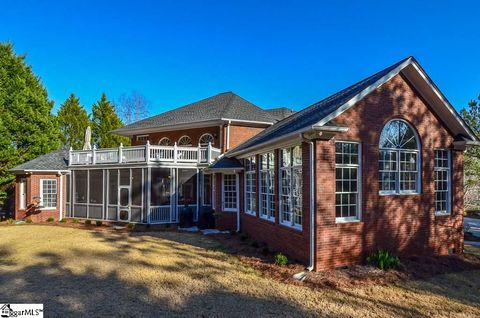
<point>28,129</point>
<point>72,120</point>
<point>104,120</point>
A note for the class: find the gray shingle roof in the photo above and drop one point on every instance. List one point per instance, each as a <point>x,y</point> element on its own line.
<point>280,112</point>
<point>314,113</point>
<point>53,161</point>
<point>224,105</point>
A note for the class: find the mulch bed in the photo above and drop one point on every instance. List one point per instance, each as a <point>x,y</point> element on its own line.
<point>353,276</point>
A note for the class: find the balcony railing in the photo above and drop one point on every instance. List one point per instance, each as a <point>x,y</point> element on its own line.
<point>147,153</point>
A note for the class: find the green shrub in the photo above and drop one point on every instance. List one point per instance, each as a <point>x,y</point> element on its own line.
<point>148,226</point>
<point>243,237</point>
<point>88,222</point>
<point>74,220</point>
<point>131,226</point>
<point>50,220</point>
<point>281,259</point>
<point>98,223</point>
<point>255,244</point>
<point>265,251</point>
<point>29,221</point>
<point>383,259</point>
<point>63,221</point>
<point>10,221</point>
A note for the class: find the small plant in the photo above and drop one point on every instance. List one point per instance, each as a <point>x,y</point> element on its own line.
<point>233,232</point>
<point>265,251</point>
<point>280,259</point>
<point>383,259</point>
<point>131,226</point>
<point>88,222</point>
<point>29,221</point>
<point>10,221</point>
<point>74,220</point>
<point>50,220</point>
<point>255,244</point>
<point>98,223</point>
<point>63,221</point>
<point>243,237</point>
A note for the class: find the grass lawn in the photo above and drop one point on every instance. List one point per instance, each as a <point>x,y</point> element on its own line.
<point>78,272</point>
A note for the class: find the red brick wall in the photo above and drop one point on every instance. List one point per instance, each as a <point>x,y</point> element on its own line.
<point>404,224</point>
<point>33,190</point>
<point>278,237</point>
<point>174,135</point>
<point>240,134</point>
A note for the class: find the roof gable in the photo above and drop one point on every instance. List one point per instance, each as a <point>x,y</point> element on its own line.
<point>322,113</point>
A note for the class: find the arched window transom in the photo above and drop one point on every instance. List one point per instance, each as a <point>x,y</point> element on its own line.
<point>165,141</point>
<point>205,139</point>
<point>185,141</point>
<point>399,162</point>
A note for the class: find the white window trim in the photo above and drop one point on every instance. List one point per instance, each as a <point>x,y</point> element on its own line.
<point>289,224</point>
<point>223,193</point>
<point>185,136</point>
<point>418,181</point>
<point>449,180</point>
<point>358,217</point>
<point>206,134</point>
<point>140,136</point>
<point>260,193</point>
<point>41,194</point>
<point>164,138</point>
<point>251,212</point>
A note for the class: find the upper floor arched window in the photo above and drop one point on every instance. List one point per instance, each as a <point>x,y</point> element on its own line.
<point>205,139</point>
<point>185,141</point>
<point>165,141</point>
<point>399,161</point>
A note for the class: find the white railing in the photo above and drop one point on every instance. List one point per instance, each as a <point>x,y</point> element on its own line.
<point>147,153</point>
<point>160,214</point>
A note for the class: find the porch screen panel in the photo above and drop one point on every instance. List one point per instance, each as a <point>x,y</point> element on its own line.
<point>135,214</point>
<point>187,187</point>
<point>68,212</point>
<point>80,195</point>
<point>112,213</point>
<point>160,186</point>
<point>207,189</point>
<point>96,187</point>
<point>137,183</point>
<point>124,177</point>
<point>112,187</point>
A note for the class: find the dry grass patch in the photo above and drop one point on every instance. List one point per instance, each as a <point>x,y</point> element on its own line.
<point>94,273</point>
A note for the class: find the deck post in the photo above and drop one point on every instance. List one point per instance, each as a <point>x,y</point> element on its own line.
<point>199,154</point>
<point>209,152</point>
<point>70,156</point>
<point>175,152</point>
<point>120,153</point>
<point>94,160</point>
<point>147,151</point>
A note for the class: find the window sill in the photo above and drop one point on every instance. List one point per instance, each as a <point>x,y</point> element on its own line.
<point>229,211</point>
<point>290,226</point>
<point>48,209</point>
<point>443,214</point>
<point>266,218</point>
<point>251,213</point>
<point>398,193</point>
<point>347,220</point>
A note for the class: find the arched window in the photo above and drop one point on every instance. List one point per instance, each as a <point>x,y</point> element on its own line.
<point>185,141</point>
<point>205,139</point>
<point>165,141</point>
<point>399,161</point>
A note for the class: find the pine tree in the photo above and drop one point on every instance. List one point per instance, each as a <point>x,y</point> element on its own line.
<point>72,120</point>
<point>104,120</point>
<point>28,129</point>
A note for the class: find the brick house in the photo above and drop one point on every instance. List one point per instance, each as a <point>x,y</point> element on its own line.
<point>376,165</point>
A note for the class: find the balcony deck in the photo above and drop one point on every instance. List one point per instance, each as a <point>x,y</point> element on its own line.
<point>143,154</point>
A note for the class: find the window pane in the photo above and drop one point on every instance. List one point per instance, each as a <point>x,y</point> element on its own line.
<point>346,174</point>
<point>96,186</point>
<point>442,180</point>
<point>49,193</point>
<point>229,191</point>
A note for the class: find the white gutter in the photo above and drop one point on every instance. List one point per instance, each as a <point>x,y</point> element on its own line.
<point>311,264</point>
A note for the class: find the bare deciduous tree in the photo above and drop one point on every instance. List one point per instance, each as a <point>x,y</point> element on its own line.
<point>133,107</point>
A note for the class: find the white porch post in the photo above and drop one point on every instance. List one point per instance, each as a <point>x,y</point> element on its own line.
<point>147,151</point>
<point>175,151</point>
<point>209,152</point>
<point>120,153</point>
<point>149,194</point>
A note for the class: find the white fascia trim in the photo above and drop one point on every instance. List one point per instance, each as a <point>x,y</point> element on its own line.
<point>364,93</point>
<point>247,121</point>
<point>444,100</point>
<point>182,126</point>
<point>38,170</point>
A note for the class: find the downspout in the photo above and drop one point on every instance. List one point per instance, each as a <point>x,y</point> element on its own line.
<point>228,136</point>
<point>60,217</point>
<point>311,264</point>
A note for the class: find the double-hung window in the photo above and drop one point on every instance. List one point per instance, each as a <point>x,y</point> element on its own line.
<point>442,182</point>
<point>291,187</point>
<point>267,186</point>
<point>399,160</point>
<point>230,192</point>
<point>347,181</point>
<point>250,185</point>
<point>48,189</point>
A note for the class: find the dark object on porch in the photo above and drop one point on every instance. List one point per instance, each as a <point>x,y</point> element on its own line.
<point>186,216</point>
<point>206,219</point>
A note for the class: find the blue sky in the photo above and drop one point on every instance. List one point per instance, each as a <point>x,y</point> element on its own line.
<point>273,53</point>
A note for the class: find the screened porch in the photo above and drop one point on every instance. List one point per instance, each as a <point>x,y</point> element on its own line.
<point>153,195</point>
